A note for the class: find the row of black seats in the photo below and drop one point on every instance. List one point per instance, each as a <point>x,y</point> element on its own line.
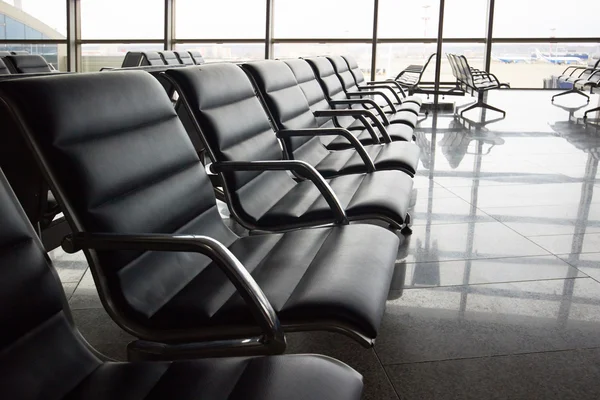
<point>166,57</point>
<point>133,189</point>
<point>23,64</point>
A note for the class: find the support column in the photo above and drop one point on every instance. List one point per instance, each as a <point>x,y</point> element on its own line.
<point>73,35</point>
<point>269,31</point>
<point>375,37</point>
<point>487,60</point>
<point>438,57</point>
<point>169,24</point>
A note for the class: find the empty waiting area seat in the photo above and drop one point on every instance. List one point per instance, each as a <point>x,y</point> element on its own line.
<point>245,152</point>
<point>169,57</point>
<point>152,58</point>
<point>184,57</point>
<point>197,57</point>
<point>299,130</point>
<point>3,68</point>
<point>142,208</point>
<point>26,64</point>
<point>43,356</point>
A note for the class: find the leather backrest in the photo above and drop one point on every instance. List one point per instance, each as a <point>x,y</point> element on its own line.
<point>169,57</point>
<point>312,89</point>
<point>355,69</point>
<point>328,78</point>
<point>234,127</point>
<point>594,61</point>
<point>197,57</point>
<point>132,59</point>
<point>41,357</point>
<point>152,58</point>
<point>3,68</point>
<point>343,71</point>
<point>4,53</point>
<point>24,64</point>
<point>283,97</point>
<point>120,161</point>
<point>184,57</point>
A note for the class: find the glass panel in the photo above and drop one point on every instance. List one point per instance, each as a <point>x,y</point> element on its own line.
<point>97,56</point>
<point>465,18</point>
<point>362,52</point>
<point>118,19</point>
<point>528,65</point>
<point>541,18</point>
<point>34,19</point>
<point>323,19</point>
<point>392,58</point>
<point>55,54</point>
<point>227,51</point>
<point>224,19</point>
<point>2,27</point>
<point>408,19</point>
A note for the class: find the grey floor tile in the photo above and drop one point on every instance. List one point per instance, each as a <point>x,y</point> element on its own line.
<point>574,243</point>
<point>97,328</point>
<point>69,288</point>
<point>86,295</point>
<point>494,319</point>
<point>365,361</point>
<point>497,270</point>
<point>549,220</point>
<point>70,267</point>
<point>449,210</point>
<point>433,243</point>
<point>588,263</point>
<point>564,375</point>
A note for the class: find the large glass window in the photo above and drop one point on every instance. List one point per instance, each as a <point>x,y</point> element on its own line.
<point>94,57</point>
<point>323,19</point>
<point>223,19</point>
<point>543,18</point>
<point>465,18</point>
<point>122,19</point>
<point>362,52</point>
<point>529,65</point>
<point>231,52</point>
<point>44,19</point>
<point>408,19</point>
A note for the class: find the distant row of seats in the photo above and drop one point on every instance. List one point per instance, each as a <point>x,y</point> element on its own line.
<point>23,64</point>
<point>144,58</point>
<point>474,82</point>
<point>581,78</point>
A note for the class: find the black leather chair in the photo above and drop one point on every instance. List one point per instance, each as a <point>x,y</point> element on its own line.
<point>340,87</point>
<point>577,75</point>
<point>354,120</point>
<point>169,57</point>
<point>245,152</point>
<point>142,208</point>
<point>297,127</point>
<point>3,68</point>
<point>152,58</point>
<point>197,57</point>
<point>184,57</point>
<point>26,64</point>
<point>360,81</point>
<point>44,356</point>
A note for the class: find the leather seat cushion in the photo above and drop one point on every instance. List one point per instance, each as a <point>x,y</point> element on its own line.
<point>382,193</point>
<point>289,377</point>
<point>397,132</point>
<point>398,155</point>
<point>339,273</point>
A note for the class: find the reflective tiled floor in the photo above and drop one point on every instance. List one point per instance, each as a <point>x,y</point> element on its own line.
<point>496,294</point>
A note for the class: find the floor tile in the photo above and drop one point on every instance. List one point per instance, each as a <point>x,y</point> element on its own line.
<point>575,243</point>
<point>433,243</point>
<point>549,220</point>
<point>485,320</point>
<point>69,288</point>
<point>86,295</point>
<point>365,361</point>
<point>588,263</point>
<point>563,375</point>
<point>70,267</point>
<point>446,211</point>
<point>527,195</point>
<point>98,328</point>
<point>497,270</point>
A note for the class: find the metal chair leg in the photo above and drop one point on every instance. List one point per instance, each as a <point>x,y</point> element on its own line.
<point>571,91</point>
<point>585,115</point>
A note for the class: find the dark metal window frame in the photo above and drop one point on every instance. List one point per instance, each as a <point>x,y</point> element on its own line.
<point>169,39</point>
